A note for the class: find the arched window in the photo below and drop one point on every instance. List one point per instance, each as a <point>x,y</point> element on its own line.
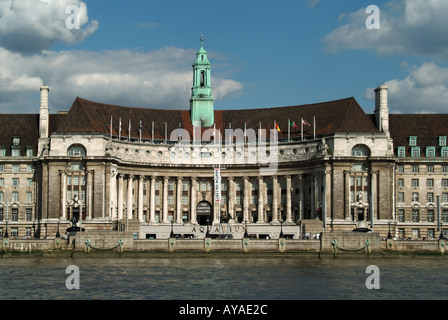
<point>360,151</point>
<point>202,78</point>
<point>77,150</point>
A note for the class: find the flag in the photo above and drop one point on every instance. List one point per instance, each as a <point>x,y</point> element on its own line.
<point>276,125</point>
<point>291,123</point>
<point>305,123</point>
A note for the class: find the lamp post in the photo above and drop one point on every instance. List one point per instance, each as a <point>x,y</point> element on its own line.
<point>57,233</point>
<point>171,233</point>
<point>389,236</point>
<point>246,235</point>
<point>281,229</point>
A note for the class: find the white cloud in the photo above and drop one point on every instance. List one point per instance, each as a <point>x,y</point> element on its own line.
<point>160,78</point>
<point>406,27</point>
<point>29,26</point>
<point>424,90</point>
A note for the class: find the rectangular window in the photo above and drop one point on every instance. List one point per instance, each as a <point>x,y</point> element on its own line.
<point>75,180</point>
<point>444,168</point>
<point>401,152</point>
<point>156,199</point>
<point>157,185</point>
<point>29,196</point>
<point>415,215</point>
<point>28,214</point>
<point>15,168</point>
<point>430,197</point>
<point>429,168</point>
<point>412,141</point>
<point>15,196</point>
<point>430,215</point>
<point>414,183</point>
<point>400,168</point>
<point>15,214</point>
<point>203,186</point>
<point>170,199</point>
<point>400,196</point>
<point>445,183</point>
<point>415,152</point>
<point>15,182</point>
<point>238,199</point>
<point>170,186</point>
<point>430,183</point>
<point>415,169</point>
<point>2,182</point>
<point>185,186</point>
<point>184,200</point>
<point>400,215</point>
<point>29,151</point>
<point>28,232</point>
<point>15,152</point>
<point>444,197</point>
<point>431,233</point>
<point>401,182</point>
<point>414,196</point>
<point>2,196</point>
<point>2,152</point>
<point>29,182</point>
<point>444,152</point>
<point>430,152</point>
<point>445,215</point>
<point>14,232</point>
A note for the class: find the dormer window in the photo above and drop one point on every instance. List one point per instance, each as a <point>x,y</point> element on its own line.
<point>442,141</point>
<point>430,152</point>
<point>413,141</point>
<point>2,152</point>
<point>415,152</point>
<point>16,141</point>
<point>401,152</point>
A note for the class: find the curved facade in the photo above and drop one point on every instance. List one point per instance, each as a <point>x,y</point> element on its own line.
<point>299,170</point>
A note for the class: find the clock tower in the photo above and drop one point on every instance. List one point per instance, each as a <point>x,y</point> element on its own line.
<point>201,102</point>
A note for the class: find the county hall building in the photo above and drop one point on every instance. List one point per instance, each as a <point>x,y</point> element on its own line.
<point>299,170</point>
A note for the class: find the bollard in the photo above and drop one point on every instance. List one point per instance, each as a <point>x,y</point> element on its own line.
<point>207,244</point>
<point>281,244</point>
<point>245,244</point>
<point>442,246</point>
<point>171,244</point>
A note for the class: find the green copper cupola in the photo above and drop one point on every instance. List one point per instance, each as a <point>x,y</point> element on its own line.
<point>201,102</point>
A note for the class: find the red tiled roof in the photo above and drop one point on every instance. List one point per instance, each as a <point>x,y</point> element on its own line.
<point>25,126</point>
<point>426,127</point>
<point>343,115</point>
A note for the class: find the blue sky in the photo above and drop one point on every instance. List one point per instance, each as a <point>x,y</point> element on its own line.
<point>263,53</point>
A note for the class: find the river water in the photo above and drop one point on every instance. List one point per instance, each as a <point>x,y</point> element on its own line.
<point>222,278</point>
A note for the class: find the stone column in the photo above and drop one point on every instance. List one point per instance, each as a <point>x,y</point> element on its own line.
<point>113,194</point>
<point>231,208</point>
<point>107,195</point>
<point>260,200</point>
<point>193,188</point>
<point>129,198</point>
<point>165,200</point>
<point>301,204</point>
<point>178,200</point>
<point>246,199</point>
<point>327,199</point>
<point>63,213</point>
<point>347,194</point>
<point>313,196</point>
<point>288,200</point>
<point>152,203</point>
<point>373,196</point>
<point>140,198</point>
<point>274,199</point>
<point>89,194</point>
<point>120,196</point>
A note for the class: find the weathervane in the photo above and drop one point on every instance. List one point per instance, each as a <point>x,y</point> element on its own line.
<point>202,39</point>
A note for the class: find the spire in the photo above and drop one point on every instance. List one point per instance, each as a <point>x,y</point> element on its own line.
<point>201,102</point>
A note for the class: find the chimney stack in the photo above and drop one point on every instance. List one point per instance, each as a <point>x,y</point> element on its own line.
<point>43,119</point>
<point>381,109</point>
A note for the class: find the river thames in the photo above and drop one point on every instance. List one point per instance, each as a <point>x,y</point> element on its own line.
<point>217,277</point>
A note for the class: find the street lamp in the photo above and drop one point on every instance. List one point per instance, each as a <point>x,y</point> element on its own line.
<point>171,233</point>
<point>246,235</point>
<point>389,235</point>
<point>281,229</point>
<point>57,233</point>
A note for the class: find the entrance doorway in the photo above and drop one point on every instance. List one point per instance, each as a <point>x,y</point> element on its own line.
<point>204,212</point>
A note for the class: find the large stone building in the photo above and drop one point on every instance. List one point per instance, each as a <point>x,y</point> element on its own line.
<point>299,170</point>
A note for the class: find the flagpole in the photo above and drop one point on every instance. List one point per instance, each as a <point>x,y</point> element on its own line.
<point>165,132</point>
<point>152,132</point>
<point>301,123</point>
<point>314,126</point>
<point>111,127</point>
<point>129,134</point>
<point>289,130</point>
<point>119,131</point>
<point>140,131</point>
